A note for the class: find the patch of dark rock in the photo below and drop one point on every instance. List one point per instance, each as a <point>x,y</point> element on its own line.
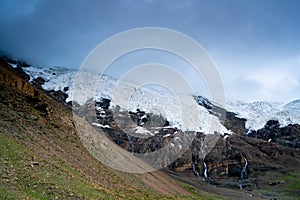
<point>32,100</point>
<point>58,95</point>
<point>202,101</point>
<point>104,103</point>
<point>42,107</point>
<point>22,74</point>
<point>19,63</point>
<point>273,183</point>
<point>272,124</point>
<point>167,123</point>
<point>234,170</point>
<point>288,136</point>
<point>9,60</point>
<point>228,119</point>
<point>38,82</point>
<point>234,123</point>
<point>73,104</point>
<point>66,89</point>
<point>22,64</point>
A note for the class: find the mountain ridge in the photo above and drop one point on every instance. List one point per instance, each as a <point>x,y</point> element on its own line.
<point>257,113</point>
<point>264,165</point>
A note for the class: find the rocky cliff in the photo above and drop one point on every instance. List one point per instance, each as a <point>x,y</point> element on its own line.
<point>288,136</point>
<point>237,160</point>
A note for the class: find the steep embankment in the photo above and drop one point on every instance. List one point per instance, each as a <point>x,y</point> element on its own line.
<point>42,156</point>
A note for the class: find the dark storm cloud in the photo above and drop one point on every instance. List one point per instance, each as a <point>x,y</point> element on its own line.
<point>54,32</point>
<point>64,32</point>
<point>244,38</point>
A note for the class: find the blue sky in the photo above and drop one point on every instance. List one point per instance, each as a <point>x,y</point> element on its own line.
<point>254,43</point>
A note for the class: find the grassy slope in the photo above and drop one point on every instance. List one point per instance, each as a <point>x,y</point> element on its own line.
<point>42,158</point>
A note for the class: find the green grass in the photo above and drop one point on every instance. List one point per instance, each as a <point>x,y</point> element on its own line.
<point>19,179</point>
<point>288,187</point>
<point>10,162</point>
<point>201,195</point>
<point>6,194</point>
<point>291,183</point>
<point>59,180</point>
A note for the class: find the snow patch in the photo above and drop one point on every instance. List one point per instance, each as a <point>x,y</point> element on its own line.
<point>142,131</point>
<point>100,125</point>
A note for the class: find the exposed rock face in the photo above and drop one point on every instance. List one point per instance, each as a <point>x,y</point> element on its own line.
<point>223,161</point>
<point>11,77</point>
<point>235,161</point>
<point>228,119</point>
<point>202,101</point>
<point>235,124</point>
<point>38,82</point>
<point>104,115</point>
<point>104,103</point>
<point>19,65</point>
<point>66,89</point>
<point>288,136</point>
<point>22,74</point>
<point>136,132</point>
<point>58,95</point>
<point>11,81</point>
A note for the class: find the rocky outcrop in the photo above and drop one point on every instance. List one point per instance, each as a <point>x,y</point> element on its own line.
<point>26,93</point>
<point>235,124</point>
<point>235,161</point>
<point>19,71</point>
<point>228,119</point>
<point>288,136</point>
<point>38,82</point>
<point>19,65</point>
<point>12,77</point>
<point>58,95</point>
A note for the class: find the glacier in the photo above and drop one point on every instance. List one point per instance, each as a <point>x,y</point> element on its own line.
<point>161,102</point>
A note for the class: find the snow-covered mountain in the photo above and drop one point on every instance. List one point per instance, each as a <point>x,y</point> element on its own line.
<point>259,112</point>
<point>84,85</point>
<point>162,102</point>
<point>293,105</point>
